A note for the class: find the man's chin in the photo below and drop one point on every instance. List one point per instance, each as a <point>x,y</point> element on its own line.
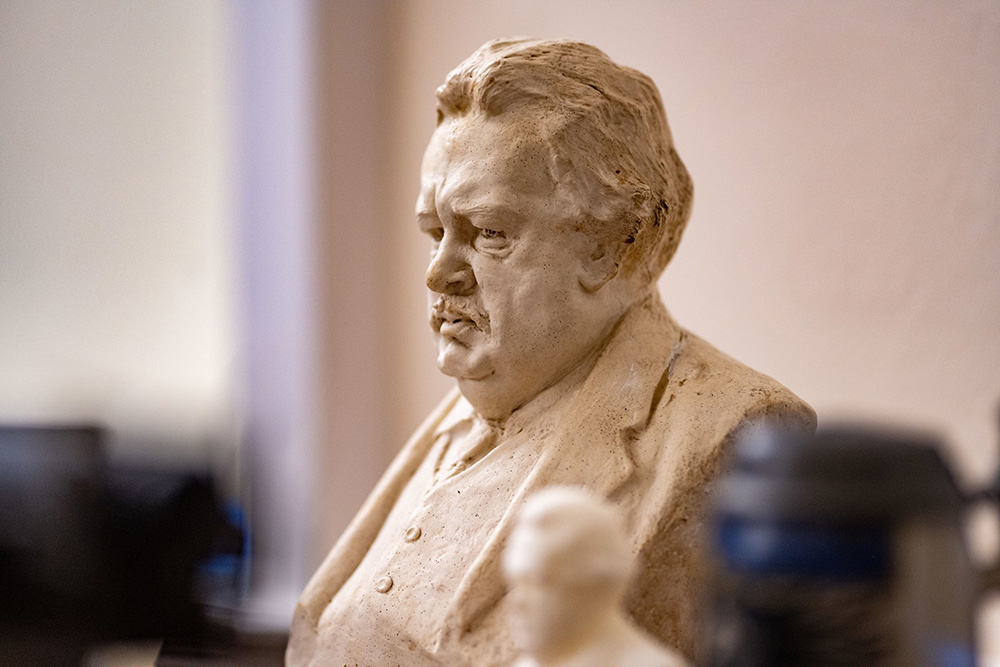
<point>461,362</point>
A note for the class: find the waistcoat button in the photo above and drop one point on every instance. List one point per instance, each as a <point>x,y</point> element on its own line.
<point>383,584</point>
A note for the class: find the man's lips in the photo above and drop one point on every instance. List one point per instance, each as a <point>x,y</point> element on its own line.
<point>456,327</point>
<point>456,316</point>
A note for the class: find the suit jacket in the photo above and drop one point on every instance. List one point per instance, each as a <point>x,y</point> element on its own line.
<point>646,430</point>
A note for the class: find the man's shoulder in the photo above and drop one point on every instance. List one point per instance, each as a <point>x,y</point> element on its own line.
<point>706,381</point>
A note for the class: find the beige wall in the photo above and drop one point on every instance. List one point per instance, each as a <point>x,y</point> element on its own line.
<point>846,229</point>
<point>116,294</point>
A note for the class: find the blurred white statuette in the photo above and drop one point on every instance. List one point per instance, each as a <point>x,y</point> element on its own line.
<point>568,564</point>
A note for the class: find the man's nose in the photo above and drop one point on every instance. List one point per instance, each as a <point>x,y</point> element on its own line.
<point>449,271</point>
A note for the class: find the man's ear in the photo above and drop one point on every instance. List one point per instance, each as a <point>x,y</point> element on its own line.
<point>600,265</point>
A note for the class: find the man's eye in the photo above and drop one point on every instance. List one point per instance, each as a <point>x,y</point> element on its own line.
<point>436,234</point>
<point>491,240</point>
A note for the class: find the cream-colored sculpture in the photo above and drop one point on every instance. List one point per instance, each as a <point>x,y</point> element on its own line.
<point>567,563</point>
<point>553,199</point>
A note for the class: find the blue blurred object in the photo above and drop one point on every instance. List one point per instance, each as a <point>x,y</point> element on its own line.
<point>826,552</point>
<point>840,548</point>
<point>224,578</point>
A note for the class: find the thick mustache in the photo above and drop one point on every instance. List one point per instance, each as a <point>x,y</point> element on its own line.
<point>456,308</point>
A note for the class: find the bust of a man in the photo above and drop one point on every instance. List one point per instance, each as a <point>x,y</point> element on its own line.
<point>553,198</point>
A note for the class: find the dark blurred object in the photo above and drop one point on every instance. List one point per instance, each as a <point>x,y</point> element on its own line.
<point>239,650</point>
<point>159,527</point>
<point>840,548</point>
<point>90,554</point>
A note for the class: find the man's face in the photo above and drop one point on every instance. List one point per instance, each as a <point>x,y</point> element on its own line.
<point>507,307</point>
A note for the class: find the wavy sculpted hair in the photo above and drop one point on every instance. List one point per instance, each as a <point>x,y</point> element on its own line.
<point>606,131</point>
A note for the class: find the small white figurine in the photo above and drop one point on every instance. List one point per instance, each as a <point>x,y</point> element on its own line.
<point>568,563</point>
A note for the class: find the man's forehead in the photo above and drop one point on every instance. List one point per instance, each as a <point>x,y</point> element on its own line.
<point>476,133</point>
<point>480,163</point>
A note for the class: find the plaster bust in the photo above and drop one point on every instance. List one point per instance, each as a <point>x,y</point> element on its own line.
<point>567,564</point>
<point>553,199</point>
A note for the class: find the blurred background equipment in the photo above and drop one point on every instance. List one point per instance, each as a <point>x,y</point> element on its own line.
<point>842,548</point>
<point>91,554</point>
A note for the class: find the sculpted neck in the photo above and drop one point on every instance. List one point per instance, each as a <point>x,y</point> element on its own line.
<point>494,402</point>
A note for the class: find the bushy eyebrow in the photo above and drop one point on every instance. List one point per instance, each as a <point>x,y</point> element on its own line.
<point>488,212</point>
